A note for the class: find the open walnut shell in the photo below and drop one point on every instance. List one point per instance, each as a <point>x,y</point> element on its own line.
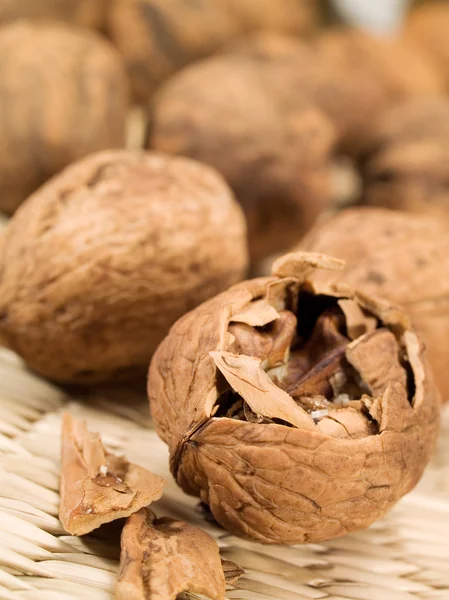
<point>297,411</point>
<point>402,257</point>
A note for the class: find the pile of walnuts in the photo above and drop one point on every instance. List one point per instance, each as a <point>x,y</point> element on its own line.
<point>299,405</point>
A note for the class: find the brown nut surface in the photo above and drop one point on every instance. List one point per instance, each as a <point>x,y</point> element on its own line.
<point>401,257</point>
<point>321,442</point>
<point>345,92</point>
<point>99,263</point>
<point>374,73</point>
<point>405,167</point>
<point>87,13</point>
<point>427,26</point>
<point>63,94</point>
<point>161,558</point>
<point>98,487</point>
<point>158,37</point>
<point>276,155</point>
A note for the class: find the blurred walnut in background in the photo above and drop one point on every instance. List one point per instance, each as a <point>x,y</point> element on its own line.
<point>99,262</point>
<point>276,154</point>
<point>87,13</point>
<point>158,37</point>
<point>406,166</point>
<point>63,94</point>
<point>379,72</point>
<point>404,258</point>
<point>428,26</point>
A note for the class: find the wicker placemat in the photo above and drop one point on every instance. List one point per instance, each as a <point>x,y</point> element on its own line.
<point>405,556</point>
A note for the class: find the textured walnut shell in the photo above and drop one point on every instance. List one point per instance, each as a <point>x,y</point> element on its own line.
<point>402,257</point>
<point>344,91</point>
<point>427,26</point>
<point>63,94</point>
<point>158,37</point>
<point>87,13</point>
<point>276,155</point>
<point>98,264</point>
<point>283,470</point>
<point>405,166</point>
<point>375,73</point>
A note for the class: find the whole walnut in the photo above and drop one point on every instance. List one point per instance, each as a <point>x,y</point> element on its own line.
<point>405,166</point>
<point>297,411</point>
<point>401,257</point>
<point>87,13</point>
<point>158,37</point>
<point>63,94</point>
<point>97,265</point>
<point>276,155</point>
<point>348,95</point>
<point>427,26</point>
<point>386,71</point>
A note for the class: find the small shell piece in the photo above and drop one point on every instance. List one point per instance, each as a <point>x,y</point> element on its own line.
<point>161,558</point>
<point>320,433</point>
<point>98,487</point>
<point>100,262</point>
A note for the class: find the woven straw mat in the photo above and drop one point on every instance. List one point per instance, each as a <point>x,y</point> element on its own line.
<point>405,556</point>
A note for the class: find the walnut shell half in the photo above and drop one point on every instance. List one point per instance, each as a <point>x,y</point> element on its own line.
<point>97,265</point>
<point>297,412</point>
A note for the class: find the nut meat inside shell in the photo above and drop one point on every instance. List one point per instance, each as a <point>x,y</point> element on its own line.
<point>297,412</point>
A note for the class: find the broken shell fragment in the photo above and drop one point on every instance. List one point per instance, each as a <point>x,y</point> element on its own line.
<point>98,487</point>
<point>161,558</point>
<point>318,441</point>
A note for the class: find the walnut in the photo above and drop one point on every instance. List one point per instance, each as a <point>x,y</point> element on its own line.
<point>405,166</point>
<point>182,558</point>
<point>87,13</point>
<point>98,264</point>
<point>64,94</point>
<point>318,442</point>
<point>427,26</point>
<point>373,74</point>
<point>402,257</point>
<point>276,155</point>
<point>98,487</point>
<point>158,37</point>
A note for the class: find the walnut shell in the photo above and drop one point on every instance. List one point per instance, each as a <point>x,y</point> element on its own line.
<point>405,166</point>
<point>63,94</point>
<point>296,411</point>
<point>97,265</point>
<point>276,155</point>
<point>158,37</point>
<point>427,26</point>
<point>375,73</point>
<point>401,257</point>
<point>348,95</point>
<point>87,13</point>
